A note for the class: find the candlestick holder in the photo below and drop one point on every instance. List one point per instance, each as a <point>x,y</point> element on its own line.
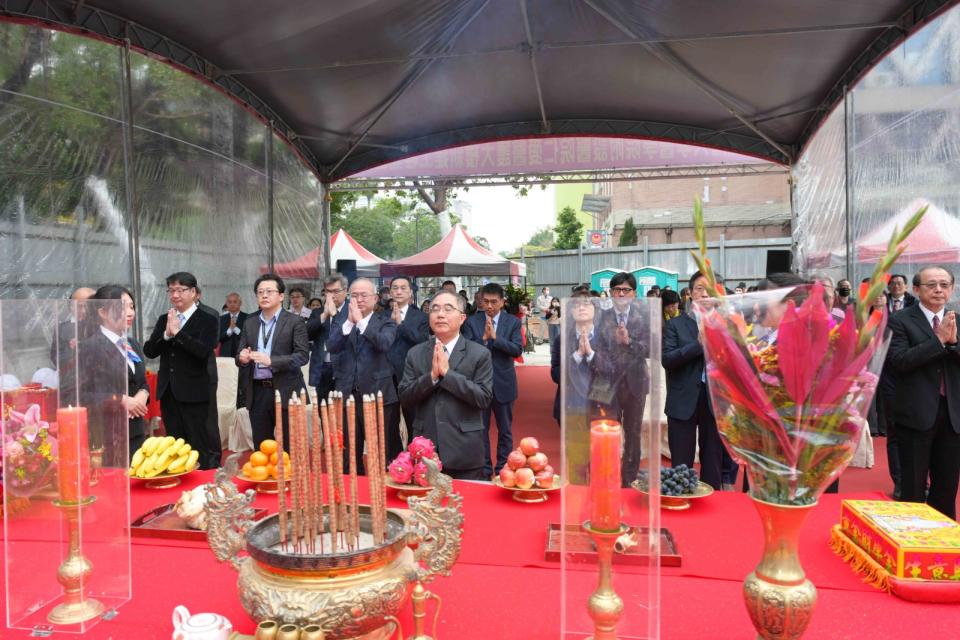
<point>604,605</point>
<point>74,572</point>
<point>419,599</point>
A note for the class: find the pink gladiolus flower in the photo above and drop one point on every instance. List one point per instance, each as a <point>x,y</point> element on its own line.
<point>802,342</point>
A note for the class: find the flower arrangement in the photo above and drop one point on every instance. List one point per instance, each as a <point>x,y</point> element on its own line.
<point>29,451</point>
<point>790,388</point>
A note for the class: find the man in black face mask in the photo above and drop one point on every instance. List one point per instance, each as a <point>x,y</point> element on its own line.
<point>843,294</point>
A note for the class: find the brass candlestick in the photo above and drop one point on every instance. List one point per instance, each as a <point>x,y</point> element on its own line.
<point>419,598</point>
<point>96,464</point>
<point>74,572</point>
<point>604,605</point>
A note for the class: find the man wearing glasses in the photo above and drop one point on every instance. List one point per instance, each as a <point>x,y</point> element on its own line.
<point>322,363</point>
<point>360,343</point>
<point>184,341</point>
<point>624,340</point>
<point>923,352</point>
<point>273,346</point>
<point>413,327</point>
<point>450,382</point>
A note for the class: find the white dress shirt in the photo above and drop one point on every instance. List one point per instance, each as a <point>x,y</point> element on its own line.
<point>115,339</point>
<point>184,318</point>
<point>930,314</point>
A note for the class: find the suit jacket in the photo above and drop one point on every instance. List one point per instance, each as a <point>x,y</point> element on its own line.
<point>908,301</point>
<point>507,346</point>
<point>185,358</point>
<point>625,366</point>
<point>450,412</point>
<point>684,363</point>
<point>228,343</point>
<point>289,352</point>
<point>414,329</point>
<point>318,331</point>
<point>362,363</point>
<point>919,360</point>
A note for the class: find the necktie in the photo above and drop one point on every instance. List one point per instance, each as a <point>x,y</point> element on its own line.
<point>936,325</point>
<point>126,348</point>
<point>181,318</point>
<point>897,305</point>
<point>621,319</point>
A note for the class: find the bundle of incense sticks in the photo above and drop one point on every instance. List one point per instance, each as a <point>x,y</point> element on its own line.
<point>316,455</point>
<point>281,479</point>
<point>328,440</point>
<point>376,466</point>
<point>353,524</point>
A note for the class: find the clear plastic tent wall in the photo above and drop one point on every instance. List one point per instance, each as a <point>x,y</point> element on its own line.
<point>194,169</point>
<point>897,133</point>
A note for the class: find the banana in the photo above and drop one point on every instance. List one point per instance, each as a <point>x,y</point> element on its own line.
<point>142,469</point>
<point>192,460</point>
<point>149,462</point>
<point>164,458</point>
<point>149,445</point>
<point>132,472</point>
<point>178,464</point>
<point>184,450</point>
<point>152,473</point>
<point>179,442</point>
<point>166,444</point>
<point>138,457</point>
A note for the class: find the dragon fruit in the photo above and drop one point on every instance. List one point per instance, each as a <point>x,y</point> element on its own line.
<point>401,469</point>
<point>420,474</point>
<point>420,447</point>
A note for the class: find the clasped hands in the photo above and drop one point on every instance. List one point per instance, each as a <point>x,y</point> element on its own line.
<point>441,361</point>
<point>136,406</point>
<point>947,331</point>
<point>353,312</point>
<point>583,345</point>
<point>173,322</point>
<point>248,355</point>
<point>489,332</point>
<point>621,335</point>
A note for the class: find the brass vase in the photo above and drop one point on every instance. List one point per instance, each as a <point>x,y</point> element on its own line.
<point>779,598</point>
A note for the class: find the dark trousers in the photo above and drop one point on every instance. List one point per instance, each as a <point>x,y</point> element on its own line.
<point>391,412</point>
<point>326,381</point>
<point>392,427</point>
<point>729,469</point>
<point>632,421</point>
<point>503,412</point>
<point>136,441</point>
<point>263,416</point>
<point>213,452</point>
<point>189,420</point>
<point>934,452</point>
<point>467,474</point>
<point>683,436</point>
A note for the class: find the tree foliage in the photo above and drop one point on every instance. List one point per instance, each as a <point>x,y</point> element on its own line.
<point>628,237</point>
<point>569,230</point>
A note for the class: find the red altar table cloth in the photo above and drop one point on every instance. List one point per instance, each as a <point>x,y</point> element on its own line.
<point>502,587</point>
<point>153,404</point>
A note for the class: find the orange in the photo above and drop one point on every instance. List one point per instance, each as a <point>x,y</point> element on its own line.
<point>259,459</point>
<point>268,446</point>
<point>259,473</point>
<point>247,469</point>
<point>274,458</point>
<point>272,471</point>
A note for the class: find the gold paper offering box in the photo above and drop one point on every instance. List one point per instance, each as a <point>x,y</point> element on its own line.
<point>910,540</point>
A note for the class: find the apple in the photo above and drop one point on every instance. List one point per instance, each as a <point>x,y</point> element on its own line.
<point>544,479</point>
<point>537,461</point>
<point>549,468</point>
<point>508,477</point>
<point>524,478</point>
<point>529,446</point>
<point>516,459</point>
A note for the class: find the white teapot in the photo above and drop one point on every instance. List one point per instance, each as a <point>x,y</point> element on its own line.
<point>202,626</point>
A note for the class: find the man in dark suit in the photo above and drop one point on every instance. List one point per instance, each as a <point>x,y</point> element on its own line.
<point>689,414</point>
<point>924,353</point>
<point>362,341</point>
<point>273,347</point>
<point>334,309</point>
<point>184,341</point>
<point>413,327</point>
<point>899,298</point>
<point>213,413</point>
<point>62,348</point>
<point>499,332</point>
<point>450,382</point>
<point>231,323</point>
<point>624,339</point>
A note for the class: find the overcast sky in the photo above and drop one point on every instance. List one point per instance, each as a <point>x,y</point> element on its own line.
<point>506,219</point>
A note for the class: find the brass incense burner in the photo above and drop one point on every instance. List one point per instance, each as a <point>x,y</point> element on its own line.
<point>349,593</point>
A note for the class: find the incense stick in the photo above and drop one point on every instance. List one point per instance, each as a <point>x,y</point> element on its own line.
<point>311,507</point>
<point>381,469</point>
<point>353,530</point>
<point>281,485</point>
<point>316,472</point>
<point>331,485</point>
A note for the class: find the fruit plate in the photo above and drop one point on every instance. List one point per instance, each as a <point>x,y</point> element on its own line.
<point>405,491</point>
<point>165,480</point>
<point>681,502</point>
<point>531,495</point>
<point>163,522</point>
<point>265,486</point>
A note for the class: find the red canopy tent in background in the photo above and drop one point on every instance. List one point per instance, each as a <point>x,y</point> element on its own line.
<point>455,255</point>
<point>936,239</point>
<point>342,247</point>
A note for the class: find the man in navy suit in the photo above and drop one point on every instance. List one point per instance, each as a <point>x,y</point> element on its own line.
<point>500,333</point>
<point>689,414</point>
<point>231,324</point>
<point>413,327</point>
<point>361,342</point>
<point>322,363</point>
<point>925,354</point>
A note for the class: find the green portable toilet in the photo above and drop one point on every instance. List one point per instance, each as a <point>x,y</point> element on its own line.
<point>600,280</point>
<point>649,276</point>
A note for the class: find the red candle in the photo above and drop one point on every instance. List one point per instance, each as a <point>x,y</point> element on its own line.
<point>605,437</point>
<point>73,470</point>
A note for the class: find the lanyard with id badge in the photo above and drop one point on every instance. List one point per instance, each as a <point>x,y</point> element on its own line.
<point>265,336</point>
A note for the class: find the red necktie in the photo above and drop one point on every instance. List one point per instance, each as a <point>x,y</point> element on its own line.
<point>936,324</point>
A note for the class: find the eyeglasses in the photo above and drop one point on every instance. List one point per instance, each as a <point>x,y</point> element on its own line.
<point>447,308</point>
<point>938,285</point>
<point>266,292</point>
<point>621,291</point>
<point>178,290</point>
